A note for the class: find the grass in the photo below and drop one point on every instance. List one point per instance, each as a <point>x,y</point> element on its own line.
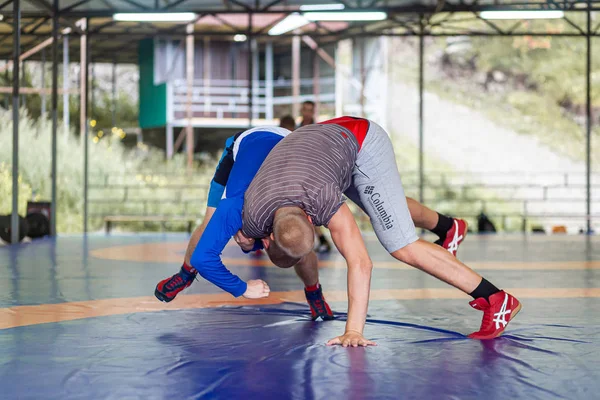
<point>109,161</point>
<point>551,71</point>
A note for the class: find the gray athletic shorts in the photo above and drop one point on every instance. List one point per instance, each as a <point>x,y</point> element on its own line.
<point>377,189</point>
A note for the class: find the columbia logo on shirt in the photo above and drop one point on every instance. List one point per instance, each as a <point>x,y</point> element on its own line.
<point>369,189</point>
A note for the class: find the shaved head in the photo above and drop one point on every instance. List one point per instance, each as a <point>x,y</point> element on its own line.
<point>293,232</point>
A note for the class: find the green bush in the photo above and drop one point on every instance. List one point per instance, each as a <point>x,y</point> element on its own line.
<point>109,161</point>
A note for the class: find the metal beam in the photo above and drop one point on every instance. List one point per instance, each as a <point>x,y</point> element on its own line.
<point>7,2</point>
<point>28,53</point>
<point>588,123</point>
<point>269,80</point>
<point>134,37</point>
<point>14,221</point>
<point>296,75</point>
<point>409,8</point>
<point>39,24</point>
<point>23,33</point>
<point>271,4</point>
<point>574,25</point>
<point>255,76</point>
<point>189,69</point>
<point>421,119</point>
<point>346,5</point>
<point>316,83</point>
<point>267,28</point>
<point>83,115</point>
<point>66,115</point>
<point>43,84</point>
<point>250,39</point>
<point>137,5</point>
<point>244,6</point>
<point>227,24</point>
<point>53,204</point>
<point>490,24</point>
<point>320,51</point>
<point>174,4</point>
<point>404,25</point>
<point>108,4</point>
<point>113,105</point>
<point>206,75</point>
<point>43,4</point>
<point>74,6</point>
<point>99,28</point>
<point>363,75</point>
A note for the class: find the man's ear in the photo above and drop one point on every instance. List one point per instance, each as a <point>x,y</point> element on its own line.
<point>309,218</point>
<point>266,242</point>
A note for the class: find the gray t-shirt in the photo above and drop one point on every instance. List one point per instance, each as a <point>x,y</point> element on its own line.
<point>310,168</point>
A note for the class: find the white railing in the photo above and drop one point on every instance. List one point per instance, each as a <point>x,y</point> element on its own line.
<point>229,98</point>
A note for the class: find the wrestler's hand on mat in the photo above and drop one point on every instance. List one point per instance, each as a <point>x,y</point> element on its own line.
<point>256,289</point>
<point>247,244</point>
<point>351,338</point>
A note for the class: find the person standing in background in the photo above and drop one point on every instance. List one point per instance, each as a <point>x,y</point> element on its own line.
<point>308,113</point>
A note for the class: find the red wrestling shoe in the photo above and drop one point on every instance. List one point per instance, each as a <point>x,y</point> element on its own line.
<point>317,303</point>
<point>497,313</point>
<point>167,289</point>
<point>455,236</point>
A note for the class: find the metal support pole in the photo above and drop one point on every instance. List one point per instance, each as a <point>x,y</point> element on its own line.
<point>23,99</point>
<point>296,76</point>
<point>92,84</point>
<point>206,74</point>
<point>363,75</point>
<point>385,51</point>
<point>339,83</point>
<point>588,122</point>
<point>66,115</point>
<point>82,82</point>
<point>7,99</point>
<point>316,84</point>
<point>189,143</point>
<point>250,71</point>
<point>169,144</point>
<point>113,106</point>
<point>43,84</point>
<point>54,116</point>
<point>255,77</point>
<point>85,131</point>
<point>421,73</point>
<point>269,80</point>
<point>14,221</point>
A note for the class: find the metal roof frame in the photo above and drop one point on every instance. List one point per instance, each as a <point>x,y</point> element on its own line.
<point>115,41</point>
